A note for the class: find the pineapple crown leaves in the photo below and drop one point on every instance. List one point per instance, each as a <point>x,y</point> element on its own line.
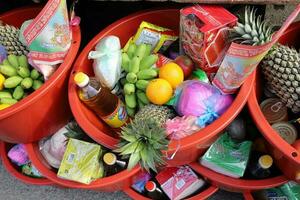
<point>142,141</point>
<point>74,130</point>
<point>251,29</point>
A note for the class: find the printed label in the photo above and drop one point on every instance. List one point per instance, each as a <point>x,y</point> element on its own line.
<point>118,118</point>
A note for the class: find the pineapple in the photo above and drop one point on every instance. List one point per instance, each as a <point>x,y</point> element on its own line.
<point>9,38</point>
<point>142,141</point>
<point>74,130</point>
<point>251,29</point>
<point>159,114</point>
<point>281,71</point>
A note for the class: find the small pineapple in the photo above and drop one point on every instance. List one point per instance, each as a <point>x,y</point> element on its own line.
<point>251,29</point>
<point>9,38</point>
<point>281,69</point>
<point>159,114</point>
<point>142,142</point>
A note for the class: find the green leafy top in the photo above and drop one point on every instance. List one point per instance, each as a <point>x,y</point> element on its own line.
<point>143,141</point>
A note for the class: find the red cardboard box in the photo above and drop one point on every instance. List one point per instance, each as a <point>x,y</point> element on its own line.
<point>204,34</point>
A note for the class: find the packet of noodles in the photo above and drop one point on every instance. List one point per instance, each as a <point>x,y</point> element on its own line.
<point>160,38</point>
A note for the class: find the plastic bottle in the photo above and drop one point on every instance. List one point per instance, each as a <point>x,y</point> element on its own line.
<point>154,191</point>
<point>259,166</point>
<point>112,164</point>
<point>99,99</point>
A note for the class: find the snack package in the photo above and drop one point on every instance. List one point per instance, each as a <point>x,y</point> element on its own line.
<point>291,190</point>
<point>204,31</point>
<point>30,170</point>
<point>160,38</point>
<point>196,98</point>
<point>48,37</point>
<point>140,181</point>
<point>270,194</point>
<point>227,156</point>
<point>107,61</point>
<point>81,162</point>
<point>179,182</point>
<point>18,155</point>
<point>3,53</point>
<point>241,60</point>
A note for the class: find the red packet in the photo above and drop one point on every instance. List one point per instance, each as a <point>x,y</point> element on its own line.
<point>162,60</point>
<point>179,182</point>
<point>204,33</point>
<point>241,60</point>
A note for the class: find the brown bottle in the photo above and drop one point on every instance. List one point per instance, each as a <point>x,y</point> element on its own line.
<point>99,99</point>
<point>112,164</point>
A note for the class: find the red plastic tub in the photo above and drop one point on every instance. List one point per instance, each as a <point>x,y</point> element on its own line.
<point>286,157</point>
<point>12,169</point>
<point>237,185</point>
<point>46,110</point>
<point>112,183</point>
<point>190,147</point>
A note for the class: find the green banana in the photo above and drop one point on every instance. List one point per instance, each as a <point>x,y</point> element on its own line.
<point>23,72</point>
<point>134,65</point>
<point>131,77</point>
<point>8,70</point>
<point>34,74</point>
<point>9,101</point>
<point>142,96</point>
<point>5,94</point>
<point>129,88</point>
<point>148,61</point>
<point>37,84</point>
<point>130,111</point>
<point>142,84</point>
<point>125,62</point>
<point>131,49</point>
<point>12,82</point>
<point>18,93</point>
<point>27,83</point>
<point>13,60</point>
<point>146,74</point>
<point>130,100</point>
<point>23,62</point>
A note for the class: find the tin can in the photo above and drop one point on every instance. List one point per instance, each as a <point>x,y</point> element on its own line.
<point>274,110</point>
<point>286,130</point>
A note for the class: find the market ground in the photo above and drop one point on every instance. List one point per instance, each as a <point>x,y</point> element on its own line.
<point>12,189</point>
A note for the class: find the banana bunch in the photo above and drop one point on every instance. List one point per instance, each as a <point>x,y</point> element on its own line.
<point>17,80</point>
<point>137,62</point>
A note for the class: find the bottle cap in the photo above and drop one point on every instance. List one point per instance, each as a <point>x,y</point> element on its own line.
<point>286,130</point>
<point>110,158</point>
<point>265,161</point>
<point>81,79</point>
<point>150,186</point>
<point>274,110</point>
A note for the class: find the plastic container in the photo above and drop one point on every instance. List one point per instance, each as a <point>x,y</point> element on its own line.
<point>189,148</point>
<point>237,185</point>
<point>286,157</point>
<point>12,169</point>
<point>46,110</point>
<point>112,183</point>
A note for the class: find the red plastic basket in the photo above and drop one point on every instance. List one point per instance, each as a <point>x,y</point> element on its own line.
<point>46,110</point>
<point>286,157</point>
<point>237,185</point>
<point>12,169</point>
<point>112,183</point>
<point>190,147</point>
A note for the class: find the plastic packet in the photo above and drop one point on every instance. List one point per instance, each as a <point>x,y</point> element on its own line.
<point>227,156</point>
<point>196,98</point>
<point>140,181</point>
<point>18,155</point>
<point>107,61</point>
<point>160,38</point>
<point>291,190</point>
<point>48,37</point>
<point>3,53</point>
<point>30,170</point>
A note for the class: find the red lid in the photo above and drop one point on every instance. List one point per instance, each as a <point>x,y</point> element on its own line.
<point>150,186</point>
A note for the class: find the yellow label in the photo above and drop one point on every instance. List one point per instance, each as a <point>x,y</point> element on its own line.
<point>118,118</point>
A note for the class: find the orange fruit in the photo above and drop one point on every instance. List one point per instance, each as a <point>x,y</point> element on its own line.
<point>159,91</point>
<point>172,73</point>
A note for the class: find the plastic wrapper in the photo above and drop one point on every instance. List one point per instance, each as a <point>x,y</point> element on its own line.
<point>291,190</point>
<point>53,148</point>
<point>241,60</point>
<point>48,37</point>
<point>107,61</point>
<point>140,181</point>
<point>30,170</point>
<point>3,53</point>
<point>160,38</point>
<point>196,98</point>
<point>18,155</point>
<point>180,127</point>
<point>81,162</point>
<point>227,156</point>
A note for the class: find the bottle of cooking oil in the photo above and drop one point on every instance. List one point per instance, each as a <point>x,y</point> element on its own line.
<point>99,99</point>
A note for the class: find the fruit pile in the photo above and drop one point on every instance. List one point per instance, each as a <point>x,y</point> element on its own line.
<point>17,80</point>
<point>137,62</point>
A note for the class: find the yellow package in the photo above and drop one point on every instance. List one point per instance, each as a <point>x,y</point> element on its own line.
<point>160,38</point>
<point>81,162</point>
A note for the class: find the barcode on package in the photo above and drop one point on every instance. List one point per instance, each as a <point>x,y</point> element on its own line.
<point>180,184</point>
<point>71,158</point>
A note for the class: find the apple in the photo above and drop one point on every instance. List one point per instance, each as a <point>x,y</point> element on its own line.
<point>186,65</point>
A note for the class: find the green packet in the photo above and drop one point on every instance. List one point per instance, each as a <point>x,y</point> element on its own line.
<point>292,190</point>
<point>80,162</point>
<point>227,156</point>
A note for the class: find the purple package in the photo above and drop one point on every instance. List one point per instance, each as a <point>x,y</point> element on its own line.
<point>18,155</point>
<point>3,53</point>
<point>196,98</point>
